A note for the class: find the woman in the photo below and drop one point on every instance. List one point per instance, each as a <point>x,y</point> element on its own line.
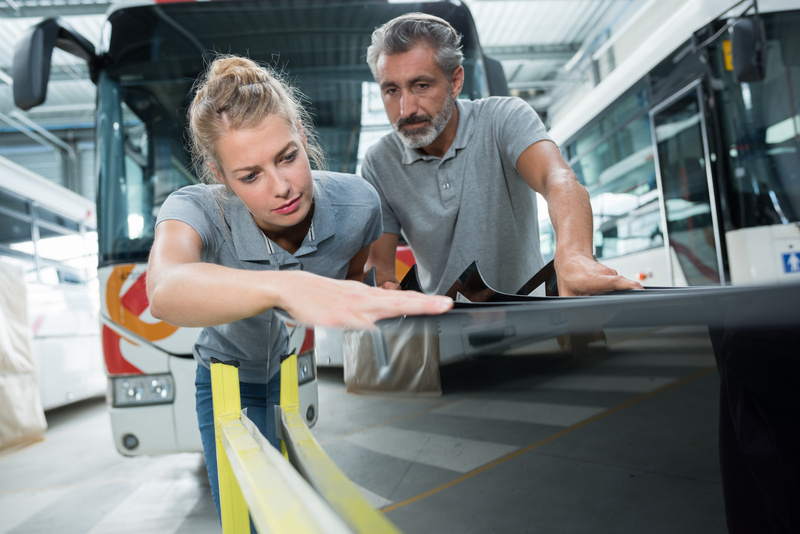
<point>256,235</point>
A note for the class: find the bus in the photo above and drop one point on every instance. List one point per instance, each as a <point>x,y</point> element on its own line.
<point>144,66</point>
<point>690,147</point>
<point>48,234</point>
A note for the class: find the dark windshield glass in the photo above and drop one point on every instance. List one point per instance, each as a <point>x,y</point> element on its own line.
<point>156,53</point>
<point>761,130</point>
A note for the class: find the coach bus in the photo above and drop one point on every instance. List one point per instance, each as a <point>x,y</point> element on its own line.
<point>48,236</point>
<point>690,147</point>
<point>144,66</point>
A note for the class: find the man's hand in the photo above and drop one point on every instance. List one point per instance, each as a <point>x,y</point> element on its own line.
<point>581,275</point>
<point>385,280</point>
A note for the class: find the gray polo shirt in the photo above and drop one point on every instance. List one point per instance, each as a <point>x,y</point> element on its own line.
<point>470,205</point>
<point>346,219</point>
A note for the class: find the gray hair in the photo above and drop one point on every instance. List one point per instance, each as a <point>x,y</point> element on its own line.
<point>403,33</point>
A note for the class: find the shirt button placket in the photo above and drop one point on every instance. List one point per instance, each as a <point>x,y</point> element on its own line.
<point>445,186</point>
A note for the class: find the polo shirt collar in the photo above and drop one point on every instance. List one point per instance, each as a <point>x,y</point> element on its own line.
<point>463,134</point>
<point>248,239</point>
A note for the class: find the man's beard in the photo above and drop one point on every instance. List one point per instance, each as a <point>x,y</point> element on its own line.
<point>425,135</point>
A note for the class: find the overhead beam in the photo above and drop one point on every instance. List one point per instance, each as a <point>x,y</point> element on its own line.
<point>52,8</point>
<point>532,52</point>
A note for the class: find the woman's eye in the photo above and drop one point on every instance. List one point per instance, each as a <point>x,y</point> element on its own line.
<point>248,178</point>
<point>290,157</point>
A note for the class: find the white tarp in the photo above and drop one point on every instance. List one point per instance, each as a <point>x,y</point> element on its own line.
<point>21,415</point>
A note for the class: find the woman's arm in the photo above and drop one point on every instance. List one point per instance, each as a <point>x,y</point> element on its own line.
<point>183,291</point>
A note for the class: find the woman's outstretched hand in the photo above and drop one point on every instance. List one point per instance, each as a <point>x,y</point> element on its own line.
<point>323,301</point>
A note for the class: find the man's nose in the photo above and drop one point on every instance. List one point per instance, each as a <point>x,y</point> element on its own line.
<point>408,105</point>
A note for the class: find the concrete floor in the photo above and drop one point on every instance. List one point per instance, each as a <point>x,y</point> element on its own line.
<point>622,440</point>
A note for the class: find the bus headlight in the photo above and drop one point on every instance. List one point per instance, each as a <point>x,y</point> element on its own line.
<point>141,390</point>
<point>306,368</point>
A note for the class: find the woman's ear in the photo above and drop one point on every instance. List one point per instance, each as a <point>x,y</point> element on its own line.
<point>217,174</point>
<point>301,132</point>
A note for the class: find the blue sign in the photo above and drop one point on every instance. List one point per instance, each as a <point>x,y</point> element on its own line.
<point>791,262</point>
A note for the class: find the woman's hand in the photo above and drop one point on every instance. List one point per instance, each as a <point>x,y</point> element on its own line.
<point>313,299</point>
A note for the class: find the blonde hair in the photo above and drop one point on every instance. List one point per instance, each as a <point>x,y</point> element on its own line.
<point>236,92</point>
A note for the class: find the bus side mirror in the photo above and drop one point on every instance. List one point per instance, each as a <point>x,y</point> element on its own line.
<point>32,56</point>
<point>748,47</point>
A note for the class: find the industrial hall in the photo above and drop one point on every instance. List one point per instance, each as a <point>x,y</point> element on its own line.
<point>367,266</point>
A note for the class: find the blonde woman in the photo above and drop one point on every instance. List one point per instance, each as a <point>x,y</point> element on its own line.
<point>256,235</point>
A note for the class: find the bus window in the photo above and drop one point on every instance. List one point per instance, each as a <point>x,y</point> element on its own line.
<point>619,173</point>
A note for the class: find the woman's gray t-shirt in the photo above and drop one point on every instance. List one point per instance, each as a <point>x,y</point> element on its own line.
<point>346,218</point>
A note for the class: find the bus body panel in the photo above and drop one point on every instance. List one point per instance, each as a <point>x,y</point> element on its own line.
<point>147,430</point>
<point>135,348</point>
<point>765,254</point>
<point>125,304</point>
<point>66,344</point>
<point>49,233</point>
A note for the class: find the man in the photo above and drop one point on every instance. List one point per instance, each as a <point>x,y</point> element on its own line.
<point>458,177</point>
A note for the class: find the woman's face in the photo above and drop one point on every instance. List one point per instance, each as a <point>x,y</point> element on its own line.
<point>267,167</point>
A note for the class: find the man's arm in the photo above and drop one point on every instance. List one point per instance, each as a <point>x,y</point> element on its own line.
<point>382,254</point>
<point>356,270</point>
<point>546,172</point>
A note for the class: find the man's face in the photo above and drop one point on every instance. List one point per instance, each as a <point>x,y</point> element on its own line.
<point>418,97</point>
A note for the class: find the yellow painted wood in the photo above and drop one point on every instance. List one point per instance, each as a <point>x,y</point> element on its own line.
<point>290,397</point>
<point>280,500</point>
<point>228,407</point>
<point>320,471</point>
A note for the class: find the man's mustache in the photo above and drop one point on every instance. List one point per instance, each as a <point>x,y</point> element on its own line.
<point>413,119</point>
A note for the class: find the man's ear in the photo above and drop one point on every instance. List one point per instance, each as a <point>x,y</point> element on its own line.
<point>457,81</point>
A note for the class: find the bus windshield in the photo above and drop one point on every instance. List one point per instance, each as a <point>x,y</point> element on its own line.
<point>761,130</point>
<point>155,53</point>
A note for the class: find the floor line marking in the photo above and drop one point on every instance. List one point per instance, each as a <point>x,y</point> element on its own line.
<point>519,452</point>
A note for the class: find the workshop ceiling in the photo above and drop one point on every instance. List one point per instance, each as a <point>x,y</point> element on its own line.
<point>545,47</point>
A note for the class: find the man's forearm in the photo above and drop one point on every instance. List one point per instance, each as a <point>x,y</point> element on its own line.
<point>571,215</point>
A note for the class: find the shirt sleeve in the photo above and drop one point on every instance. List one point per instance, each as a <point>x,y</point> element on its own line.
<point>518,126</point>
<point>374,226</point>
<point>187,205</point>
<point>370,173</point>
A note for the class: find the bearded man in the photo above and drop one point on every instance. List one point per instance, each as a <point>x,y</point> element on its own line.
<point>457,178</point>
